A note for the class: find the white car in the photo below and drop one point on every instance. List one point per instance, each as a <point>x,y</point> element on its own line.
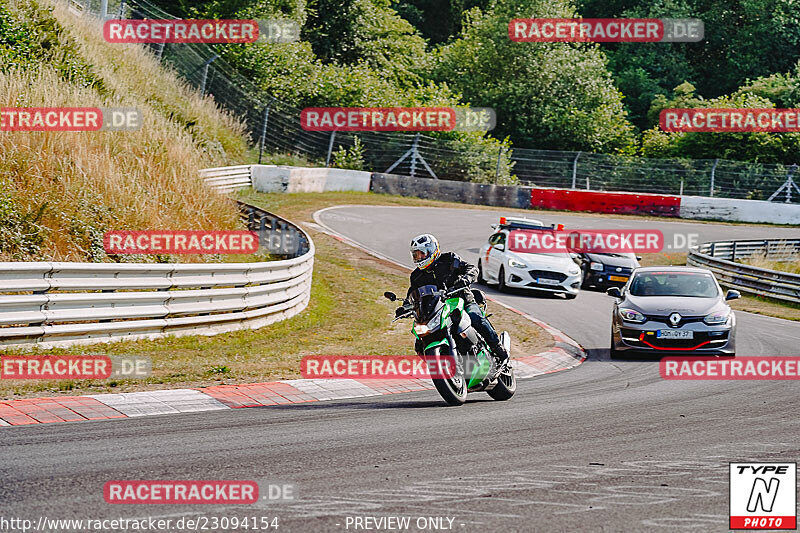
<point>552,272</point>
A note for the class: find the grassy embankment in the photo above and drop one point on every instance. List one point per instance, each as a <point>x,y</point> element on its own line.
<point>60,191</point>
<point>789,264</point>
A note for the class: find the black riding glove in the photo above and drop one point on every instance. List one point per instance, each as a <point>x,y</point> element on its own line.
<point>462,282</point>
<point>400,311</point>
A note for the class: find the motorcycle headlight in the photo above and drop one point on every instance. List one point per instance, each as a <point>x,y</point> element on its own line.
<point>631,315</point>
<point>421,329</point>
<point>516,264</point>
<point>717,318</point>
<point>428,328</point>
<point>596,266</point>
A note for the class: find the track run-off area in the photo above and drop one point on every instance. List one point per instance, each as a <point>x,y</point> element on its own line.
<point>606,446</point>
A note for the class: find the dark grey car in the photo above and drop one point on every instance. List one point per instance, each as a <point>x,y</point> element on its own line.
<point>673,309</point>
<point>602,270</point>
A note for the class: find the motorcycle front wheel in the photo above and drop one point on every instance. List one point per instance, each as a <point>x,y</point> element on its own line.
<point>454,389</point>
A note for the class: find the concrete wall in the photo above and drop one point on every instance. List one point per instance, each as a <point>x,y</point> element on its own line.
<point>270,178</point>
<point>700,207</point>
<point>452,191</point>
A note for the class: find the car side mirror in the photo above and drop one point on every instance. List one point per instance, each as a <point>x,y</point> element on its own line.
<point>390,296</point>
<point>638,257</point>
<point>732,295</point>
<point>614,291</point>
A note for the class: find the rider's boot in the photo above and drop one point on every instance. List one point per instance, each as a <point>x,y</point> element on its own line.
<point>500,355</point>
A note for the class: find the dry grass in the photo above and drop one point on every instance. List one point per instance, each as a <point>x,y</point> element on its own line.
<point>128,69</point>
<point>768,307</point>
<point>791,263</point>
<point>90,182</point>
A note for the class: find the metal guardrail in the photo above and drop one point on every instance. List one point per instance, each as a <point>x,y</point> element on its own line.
<point>720,258</point>
<point>59,304</point>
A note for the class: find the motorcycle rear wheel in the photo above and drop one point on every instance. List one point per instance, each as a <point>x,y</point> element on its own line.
<point>505,388</point>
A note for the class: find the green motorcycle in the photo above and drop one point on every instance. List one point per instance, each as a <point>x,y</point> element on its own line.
<point>445,333</point>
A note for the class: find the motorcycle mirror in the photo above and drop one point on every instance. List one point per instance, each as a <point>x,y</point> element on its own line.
<point>390,296</point>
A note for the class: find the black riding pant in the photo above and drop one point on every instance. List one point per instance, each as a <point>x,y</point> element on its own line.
<point>482,325</point>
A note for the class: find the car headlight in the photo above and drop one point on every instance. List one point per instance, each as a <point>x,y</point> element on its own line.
<point>631,315</point>
<point>596,266</point>
<point>574,270</point>
<point>516,264</point>
<point>717,318</point>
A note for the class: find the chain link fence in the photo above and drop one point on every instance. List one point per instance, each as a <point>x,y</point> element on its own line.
<point>699,177</point>
<point>274,127</point>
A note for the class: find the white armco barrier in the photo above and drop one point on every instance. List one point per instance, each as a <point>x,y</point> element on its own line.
<point>227,179</point>
<point>145,301</point>
<point>701,207</point>
<point>268,178</point>
<point>50,304</point>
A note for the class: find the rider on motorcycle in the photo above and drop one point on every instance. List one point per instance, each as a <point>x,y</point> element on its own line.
<point>449,271</point>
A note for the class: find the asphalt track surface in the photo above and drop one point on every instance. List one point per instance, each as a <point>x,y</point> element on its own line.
<point>608,446</point>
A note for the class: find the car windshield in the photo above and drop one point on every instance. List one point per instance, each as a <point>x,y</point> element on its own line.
<point>624,254</point>
<point>423,300</point>
<point>692,284</point>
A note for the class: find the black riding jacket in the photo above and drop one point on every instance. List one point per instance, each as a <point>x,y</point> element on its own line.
<point>448,271</point>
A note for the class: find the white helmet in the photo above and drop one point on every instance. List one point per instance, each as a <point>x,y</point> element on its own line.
<point>424,250</point>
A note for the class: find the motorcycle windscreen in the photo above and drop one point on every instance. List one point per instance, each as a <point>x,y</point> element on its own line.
<point>424,301</point>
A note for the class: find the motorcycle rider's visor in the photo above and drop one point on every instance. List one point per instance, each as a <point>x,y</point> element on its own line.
<point>419,255</point>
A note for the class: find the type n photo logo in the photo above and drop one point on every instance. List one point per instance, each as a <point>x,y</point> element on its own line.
<point>763,495</point>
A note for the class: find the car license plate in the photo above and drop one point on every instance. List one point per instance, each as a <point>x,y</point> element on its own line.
<point>674,334</point>
<point>617,278</point>
<point>545,281</point>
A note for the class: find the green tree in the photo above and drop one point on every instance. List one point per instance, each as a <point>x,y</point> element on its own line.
<point>546,95</point>
<point>763,147</point>
<point>744,39</point>
<point>370,32</point>
<point>783,89</point>
<point>438,21</point>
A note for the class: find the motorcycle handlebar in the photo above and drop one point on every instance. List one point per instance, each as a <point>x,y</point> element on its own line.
<point>451,292</point>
